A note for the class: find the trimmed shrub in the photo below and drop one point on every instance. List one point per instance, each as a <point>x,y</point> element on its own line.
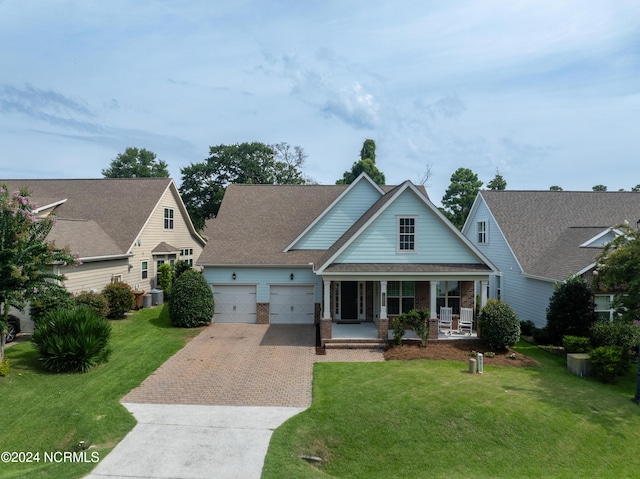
<point>95,301</point>
<point>499,325</point>
<point>5,367</point>
<point>397,325</point>
<point>47,298</point>
<point>571,310</point>
<point>73,339</point>
<point>121,299</point>
<point>576,344</point>
<point>192,302</point>
<point>615,333</point>
<point>180,267</point>
<point>609,362</point>
<point>417,320</point>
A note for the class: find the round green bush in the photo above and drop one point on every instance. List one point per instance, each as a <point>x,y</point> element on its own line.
<point>121,299</point>
<point>191,301</point>
<point>498,325</point>
<point>47,298</point>
<point>72,339</point>
<point>95,301</point>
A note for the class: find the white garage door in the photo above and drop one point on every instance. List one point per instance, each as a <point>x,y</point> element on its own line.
<point>234,303</point>
<point>291,305</point>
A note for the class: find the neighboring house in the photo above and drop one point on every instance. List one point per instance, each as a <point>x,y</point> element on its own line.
<point>121,229</point>
<point>539,238</point>
<point>348,253</point>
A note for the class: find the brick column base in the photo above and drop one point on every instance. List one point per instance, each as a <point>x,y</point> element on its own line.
<point>262,313</point>
<point>325,330</point>
<point>433,328</point>
<point>383,329</point>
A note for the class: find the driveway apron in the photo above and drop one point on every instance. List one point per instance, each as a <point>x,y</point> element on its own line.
<point>210,410</point>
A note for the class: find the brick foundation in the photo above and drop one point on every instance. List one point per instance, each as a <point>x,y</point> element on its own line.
<point>383,329</point>
<point>262,313</point>
<point>325,330</point>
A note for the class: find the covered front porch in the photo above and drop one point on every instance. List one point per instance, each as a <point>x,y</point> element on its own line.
<point>362,308</point>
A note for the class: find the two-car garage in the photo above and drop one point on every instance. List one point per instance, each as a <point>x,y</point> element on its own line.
<point>288,304</point>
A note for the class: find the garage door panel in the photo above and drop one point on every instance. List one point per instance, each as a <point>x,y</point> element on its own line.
<point>292,305</point>
<point>234,303</point>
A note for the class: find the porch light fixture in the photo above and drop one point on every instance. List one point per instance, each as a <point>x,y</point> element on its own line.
<point>291,277</point>
<point>233,276</point>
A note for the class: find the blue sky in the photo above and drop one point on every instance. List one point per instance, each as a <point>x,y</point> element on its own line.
<point>548,92</point>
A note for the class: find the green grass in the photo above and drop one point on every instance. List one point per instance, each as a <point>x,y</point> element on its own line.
<point>44,412</point>
<point>433,419</point>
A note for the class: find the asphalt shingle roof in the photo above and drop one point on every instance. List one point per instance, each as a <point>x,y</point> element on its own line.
<point>546,228</point>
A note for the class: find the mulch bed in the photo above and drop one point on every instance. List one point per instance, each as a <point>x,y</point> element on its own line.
<point>456,350</point>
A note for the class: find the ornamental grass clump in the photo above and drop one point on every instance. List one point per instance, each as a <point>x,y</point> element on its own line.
<point>499,325</point>
<point>192,302</point>
<point>72,340</point>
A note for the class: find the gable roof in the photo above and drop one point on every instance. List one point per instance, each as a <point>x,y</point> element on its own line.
<point>545,229</point>
<point>257,223</point>
<point>101,216</point>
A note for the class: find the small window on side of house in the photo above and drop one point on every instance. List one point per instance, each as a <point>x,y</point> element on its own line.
<point>168,218</point>
<point>145,269</point>
<point>482,232</point>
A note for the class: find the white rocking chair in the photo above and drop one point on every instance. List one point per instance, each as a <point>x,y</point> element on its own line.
<point>445,321</point>
<point>465,323</point>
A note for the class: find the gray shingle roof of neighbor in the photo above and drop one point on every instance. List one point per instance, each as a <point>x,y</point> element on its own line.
<point>118,209</point>
<point>256,223</point>
<point>546,228</point>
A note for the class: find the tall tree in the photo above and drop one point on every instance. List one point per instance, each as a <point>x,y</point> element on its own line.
<point>135,163</point>
<point>498,182</point>
<point>555,188</point>
<point>26,257</point>
<point>366,164</point>
<point>599,188</point>
<point>203,184</point>
<point>460,195</point>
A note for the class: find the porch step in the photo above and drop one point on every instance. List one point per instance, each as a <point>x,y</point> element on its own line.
<point>344,343</point>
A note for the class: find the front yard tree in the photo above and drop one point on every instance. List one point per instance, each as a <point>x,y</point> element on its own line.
<point>203,184</point>
<point>26,257</point>
<point>366,164</point>
<point>570,311</point>
<point>460,195</point>
<point>135,163</point>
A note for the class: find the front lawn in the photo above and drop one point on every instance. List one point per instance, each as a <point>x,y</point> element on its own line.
<point>427,418</point>
<point>52,413</point>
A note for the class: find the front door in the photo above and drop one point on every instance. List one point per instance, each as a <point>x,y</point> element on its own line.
<point>349,300</point>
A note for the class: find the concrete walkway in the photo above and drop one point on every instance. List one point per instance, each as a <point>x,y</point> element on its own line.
<point>210,410</point>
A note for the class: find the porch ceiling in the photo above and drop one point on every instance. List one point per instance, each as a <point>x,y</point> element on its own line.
<point>457,268</point>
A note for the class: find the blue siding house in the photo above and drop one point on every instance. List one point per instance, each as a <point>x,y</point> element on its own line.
<point>358,253</point>
<point>539,238</point>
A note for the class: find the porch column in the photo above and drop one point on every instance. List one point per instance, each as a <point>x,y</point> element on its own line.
<point>383,300</point>
<point>433,299</point>
<point>483,293</point>
<point>326,303</point>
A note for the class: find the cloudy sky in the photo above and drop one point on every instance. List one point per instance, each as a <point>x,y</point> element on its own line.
<point>548,92</point>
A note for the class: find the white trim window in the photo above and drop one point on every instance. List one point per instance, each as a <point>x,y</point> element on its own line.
<point>186,254</point>
<point>168,218</point>
<point>604,306</point>
<point>482,232</point>
<point>406,234</point>
<point>448,295</point>
<point>144,267</point>
<point>401,297</point>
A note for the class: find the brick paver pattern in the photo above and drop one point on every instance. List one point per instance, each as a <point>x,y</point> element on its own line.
<point>243,365</point>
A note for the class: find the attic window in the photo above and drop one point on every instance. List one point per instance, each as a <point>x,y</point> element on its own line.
<point>482,232</point>
<point>406,234</point>
<point>168,218</point>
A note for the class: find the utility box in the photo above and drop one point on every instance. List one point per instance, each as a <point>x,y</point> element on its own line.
<point>157,296</point>
<point>579,364</point>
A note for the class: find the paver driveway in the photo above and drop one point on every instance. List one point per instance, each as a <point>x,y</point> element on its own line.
<point>243,365</point>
